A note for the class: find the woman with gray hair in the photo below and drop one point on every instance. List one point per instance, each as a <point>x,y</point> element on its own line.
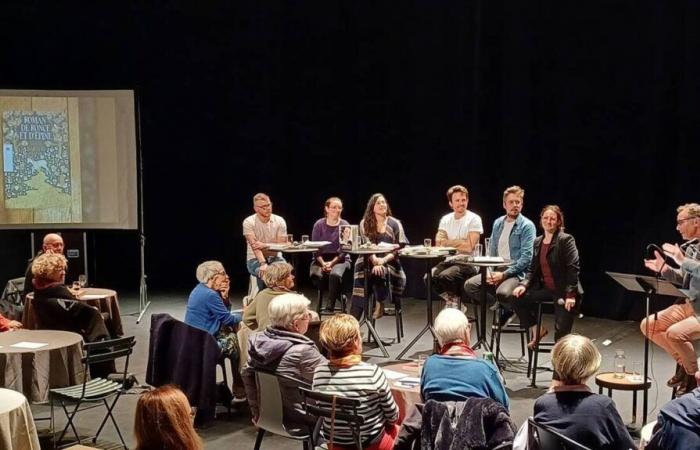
<point>570,407</point>
<point>208,308</point>
<point>283,348</point>
<point>455,373</point>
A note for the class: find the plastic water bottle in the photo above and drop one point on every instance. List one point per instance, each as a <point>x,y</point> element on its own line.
<point>620,362</point>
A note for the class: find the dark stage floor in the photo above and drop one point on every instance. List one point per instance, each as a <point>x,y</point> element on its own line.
<point>237,432</point>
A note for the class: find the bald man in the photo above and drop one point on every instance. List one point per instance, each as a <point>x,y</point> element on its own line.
<point>52,243</point>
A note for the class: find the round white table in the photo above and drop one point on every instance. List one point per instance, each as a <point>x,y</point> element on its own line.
<point>17,429</point>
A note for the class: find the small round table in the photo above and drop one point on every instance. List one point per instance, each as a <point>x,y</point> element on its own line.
<point>103,299</point>
<point>431,258</point>
<point>405,396</point>
<point>607,380</point>
<point>33,371</point>
<point>17,428</point>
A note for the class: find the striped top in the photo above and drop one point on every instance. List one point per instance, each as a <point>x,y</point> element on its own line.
<point>363,381</point>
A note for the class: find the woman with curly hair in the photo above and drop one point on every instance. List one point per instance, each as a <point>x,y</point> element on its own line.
<point>379,226</point>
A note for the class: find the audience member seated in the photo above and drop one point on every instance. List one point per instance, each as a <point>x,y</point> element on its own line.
<point>456,374</point>
<point>348,376</point>
<point>52,243</point>
<point>379,226</point>
<point>570,407</point>
<point>50,307</point>
<point>260,230</point>
<point>330,263</point>
<point>282,348</point>
<point>678,424</point>
<point>9,325</point>
<point>279,279</point>
<point>164,420</point>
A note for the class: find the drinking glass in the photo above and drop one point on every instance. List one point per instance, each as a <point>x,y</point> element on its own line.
<point>477,250</point>
<point>290,239</point>
<point>304,238</point>
<point>637,372</point>
<point>427,243</point>
<point>76,286</point>
<point>82,279</point>
<point>487,247</point>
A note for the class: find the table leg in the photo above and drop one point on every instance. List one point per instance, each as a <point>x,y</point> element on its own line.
<point>634,407</point>
<point>429,314</point>
<point>609,392</point>
<point>369,307</point>
<point>600,390</point>
<point>481,340</point>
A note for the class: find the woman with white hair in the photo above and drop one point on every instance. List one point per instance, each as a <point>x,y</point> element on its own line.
<point>206,309</point>
<point>282,348</point>
<point>455,373</point>
<point>570,407</point>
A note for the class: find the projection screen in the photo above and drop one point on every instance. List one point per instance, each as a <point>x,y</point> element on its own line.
<point>69,159</point>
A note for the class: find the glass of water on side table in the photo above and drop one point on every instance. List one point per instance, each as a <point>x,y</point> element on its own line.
<point>82,280</point>
<point>427,243</point>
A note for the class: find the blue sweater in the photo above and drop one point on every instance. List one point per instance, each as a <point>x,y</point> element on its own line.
<point>206,310</point>
<point>457,378</point>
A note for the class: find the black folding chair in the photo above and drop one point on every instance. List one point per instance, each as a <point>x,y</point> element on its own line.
<point>95,391</point>
<point>542,437</point>
<point>11,301</point>
<point>345,410</point>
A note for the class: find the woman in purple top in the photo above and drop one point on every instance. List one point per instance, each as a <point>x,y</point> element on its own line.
<point>330,263</point>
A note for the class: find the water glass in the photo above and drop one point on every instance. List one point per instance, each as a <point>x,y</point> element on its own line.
<point>76,286</point>
<point>82,279</point>
<point>478,250</point>
<point>304,238</point>
<point>290,239</point>
<point>427,243</point>
<point>487,245</point>
<point>637,372</point>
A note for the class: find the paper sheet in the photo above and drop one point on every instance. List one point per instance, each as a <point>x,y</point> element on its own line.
<point>394,375</point>
<point>26,344</point>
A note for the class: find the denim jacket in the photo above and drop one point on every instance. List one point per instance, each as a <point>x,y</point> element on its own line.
<point>522,237</point>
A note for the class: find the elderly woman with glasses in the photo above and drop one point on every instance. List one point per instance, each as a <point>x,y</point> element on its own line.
<point>208,308</point>
<point>455,373</point>
<point>279,279</point>
<point>570,407</point>
<point>282,348</point>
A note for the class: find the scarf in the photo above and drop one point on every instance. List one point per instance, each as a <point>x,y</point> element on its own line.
<point>346,361</point>
<point>457,348</point>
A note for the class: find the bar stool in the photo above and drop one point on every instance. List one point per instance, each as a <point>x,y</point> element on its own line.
<point>395,310</point>
<point>343,297</point>
<point>512,328</point>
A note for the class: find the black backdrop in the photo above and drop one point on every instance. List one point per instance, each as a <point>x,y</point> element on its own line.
<point>591,105</point>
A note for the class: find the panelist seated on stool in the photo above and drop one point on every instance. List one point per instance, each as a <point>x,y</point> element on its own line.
<point>571,409</point>
<point>260,230</point>
<point>675,328</point>
<point>552,276</point>
<point>329,263</point>
<point>379,226</point>
<point>512,238</point>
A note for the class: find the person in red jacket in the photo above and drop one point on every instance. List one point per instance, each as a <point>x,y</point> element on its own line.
<point>9,325</point>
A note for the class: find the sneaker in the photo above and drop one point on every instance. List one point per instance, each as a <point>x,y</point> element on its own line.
<point>239,400</point>
<point>677,378</point>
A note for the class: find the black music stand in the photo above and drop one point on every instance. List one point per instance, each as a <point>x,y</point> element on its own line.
<point>649,286</point>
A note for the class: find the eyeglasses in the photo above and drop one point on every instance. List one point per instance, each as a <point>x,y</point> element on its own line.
<point>680,221</point>
<point>265,206</point>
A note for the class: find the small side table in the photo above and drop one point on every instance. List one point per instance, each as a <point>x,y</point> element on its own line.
<point>608,380</point>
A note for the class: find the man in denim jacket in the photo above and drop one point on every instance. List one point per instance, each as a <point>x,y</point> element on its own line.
<point>512,238</point>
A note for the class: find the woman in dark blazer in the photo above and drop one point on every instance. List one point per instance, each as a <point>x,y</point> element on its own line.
<point>552,276</point>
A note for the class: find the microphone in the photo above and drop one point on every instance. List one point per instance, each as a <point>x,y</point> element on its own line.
<point>688,244</point>
<point>651,249</point>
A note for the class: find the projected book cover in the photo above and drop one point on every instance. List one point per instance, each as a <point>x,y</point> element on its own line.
<point>36,160</point>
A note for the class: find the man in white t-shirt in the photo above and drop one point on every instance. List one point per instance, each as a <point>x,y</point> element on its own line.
<point>460,229</point>
<point>260,230</point>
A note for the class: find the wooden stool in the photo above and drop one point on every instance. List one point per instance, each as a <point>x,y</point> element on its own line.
<point>608,380</point>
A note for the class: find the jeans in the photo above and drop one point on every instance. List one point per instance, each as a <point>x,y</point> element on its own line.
<point>503,292</point>
<point>253,265</point>
<point>449,277</point>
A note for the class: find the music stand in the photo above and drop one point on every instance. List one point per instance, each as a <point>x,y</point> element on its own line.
<point>649,286</point>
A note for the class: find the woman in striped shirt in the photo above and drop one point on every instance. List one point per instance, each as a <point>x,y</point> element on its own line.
<point>346,375</point>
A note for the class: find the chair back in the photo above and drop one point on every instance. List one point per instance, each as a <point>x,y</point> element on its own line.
<point>11,302</point>
<point>270,402</point>
<point>345,410</point>
<point>108,351</point>
<point>542,437</point>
